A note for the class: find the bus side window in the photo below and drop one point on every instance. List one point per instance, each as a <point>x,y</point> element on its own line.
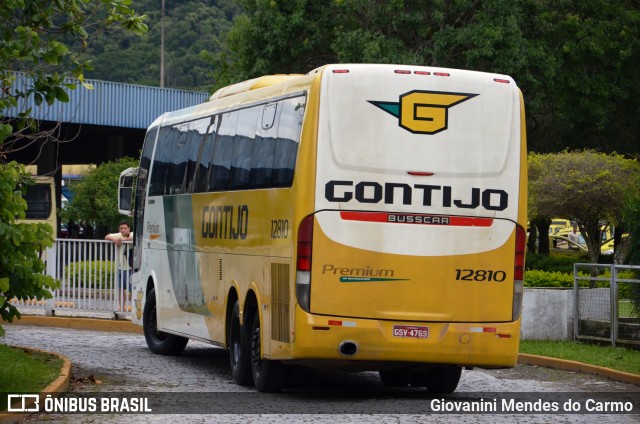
<point>289,129</point>
<point>197,135</point>
<point>220,164</point>
<point>181,158</point>
<point>201,177</point>
<point>162,163</point>
<point>264,151</point>
<point>243,147</point>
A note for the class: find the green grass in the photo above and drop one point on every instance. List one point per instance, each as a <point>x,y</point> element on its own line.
<point>625,309</point>
<point>24,371</point>
<point>621,359</point>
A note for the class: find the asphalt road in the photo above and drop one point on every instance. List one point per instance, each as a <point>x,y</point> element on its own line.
<point>198,386</point>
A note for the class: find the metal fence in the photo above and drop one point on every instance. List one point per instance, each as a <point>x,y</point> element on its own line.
<point>89,272</point>
<point>607,303</point>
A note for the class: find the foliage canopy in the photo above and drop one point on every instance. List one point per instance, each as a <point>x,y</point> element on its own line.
<point>21,245</point>
<point>95,199</point>
<point>585,186</point>
<point>575,60</point>
<point>35,37</point>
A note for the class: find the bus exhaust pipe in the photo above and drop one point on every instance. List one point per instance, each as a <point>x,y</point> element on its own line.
<point>348,348</point>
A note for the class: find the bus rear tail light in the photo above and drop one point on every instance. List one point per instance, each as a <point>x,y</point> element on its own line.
<point>518,272</point>
<point>303,263</point>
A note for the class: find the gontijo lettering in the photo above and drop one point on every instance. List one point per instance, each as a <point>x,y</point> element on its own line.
<point>430,195</point>
<point>225,222</point>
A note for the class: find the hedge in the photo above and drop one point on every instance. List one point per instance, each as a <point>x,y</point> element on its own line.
<point>100,272</point>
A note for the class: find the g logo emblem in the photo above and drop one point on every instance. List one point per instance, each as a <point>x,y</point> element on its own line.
<point>423,112</point>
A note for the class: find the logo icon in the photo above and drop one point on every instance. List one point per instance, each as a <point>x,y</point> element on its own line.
<point>423,112</point>
<point>23,403</point>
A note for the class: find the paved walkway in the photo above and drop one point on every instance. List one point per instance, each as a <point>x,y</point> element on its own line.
<point>121,362</point>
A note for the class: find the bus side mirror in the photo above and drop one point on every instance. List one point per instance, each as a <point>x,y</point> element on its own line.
<point>126,191</point>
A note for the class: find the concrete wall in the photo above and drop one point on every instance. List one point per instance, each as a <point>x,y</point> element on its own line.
<point>547,314</point>
<point>595,304</point>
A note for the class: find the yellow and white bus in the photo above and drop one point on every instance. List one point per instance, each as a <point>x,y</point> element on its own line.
<point>360,217</point>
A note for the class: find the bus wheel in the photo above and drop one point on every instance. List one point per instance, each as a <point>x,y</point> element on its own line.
<point>395,378</point>
<point>239,355</point>
<point>268,376</point>
<point>440,380</point>
<point>159,341</point>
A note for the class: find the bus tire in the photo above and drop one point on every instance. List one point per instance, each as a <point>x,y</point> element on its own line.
<point>395,378</point>
<point>239,349</point>
<point>159,341</point>
<point>268,376</point>
<point>442,380</point>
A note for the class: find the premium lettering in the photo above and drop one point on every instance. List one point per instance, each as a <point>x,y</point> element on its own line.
<point>225,222</point>
<point>426,195</point>
<point>357,272</point>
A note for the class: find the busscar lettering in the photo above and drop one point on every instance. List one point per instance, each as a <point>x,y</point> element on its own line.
<point>225,222</point>
<point>424,194</point>
<point>418,219</point>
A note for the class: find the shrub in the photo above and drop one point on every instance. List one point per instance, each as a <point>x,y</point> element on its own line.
<point>99,272</point>
<point>538,278</point>
<point>558,262</point>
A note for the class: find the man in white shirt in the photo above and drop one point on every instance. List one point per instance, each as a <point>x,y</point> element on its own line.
<point>573,236</point>
<point>123,251</point>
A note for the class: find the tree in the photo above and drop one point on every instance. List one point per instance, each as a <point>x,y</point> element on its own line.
<point>192,30</point>
<point>591,99</point>
<point>33,36</point>
<point>575,60</point>
<point>632,218</point>
<point>21,245</point>
<point>95,199</point>
<point>539,219</point>
<point>33,40</point>
<point>588,187</point>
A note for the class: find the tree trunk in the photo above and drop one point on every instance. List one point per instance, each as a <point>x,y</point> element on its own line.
<point>543,234</point>
<point>591,235</point>
<point>531,242</point>
<point>617,236</point>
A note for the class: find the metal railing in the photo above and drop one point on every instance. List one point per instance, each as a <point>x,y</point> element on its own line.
<point>89,272</point>
<point>609,308</point>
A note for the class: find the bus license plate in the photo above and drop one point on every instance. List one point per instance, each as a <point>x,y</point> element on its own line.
<point>412,331</point>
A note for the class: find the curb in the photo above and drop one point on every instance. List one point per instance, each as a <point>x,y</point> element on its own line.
<point>109,325</point>
<point>565,364</point>
<point>55,389</point>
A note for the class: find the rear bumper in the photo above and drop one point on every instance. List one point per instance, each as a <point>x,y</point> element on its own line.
<point>490,345</point>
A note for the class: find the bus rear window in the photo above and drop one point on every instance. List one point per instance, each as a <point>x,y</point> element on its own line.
<point>38,199</point>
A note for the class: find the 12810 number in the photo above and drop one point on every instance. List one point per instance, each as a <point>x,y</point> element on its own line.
<point>279,228</point>
<point>480,275</point>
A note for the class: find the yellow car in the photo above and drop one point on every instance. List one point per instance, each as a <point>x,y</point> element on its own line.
<point>607,247</point>
<point>558,224</point>
<point>563,243</point>
<point>606,233</point>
